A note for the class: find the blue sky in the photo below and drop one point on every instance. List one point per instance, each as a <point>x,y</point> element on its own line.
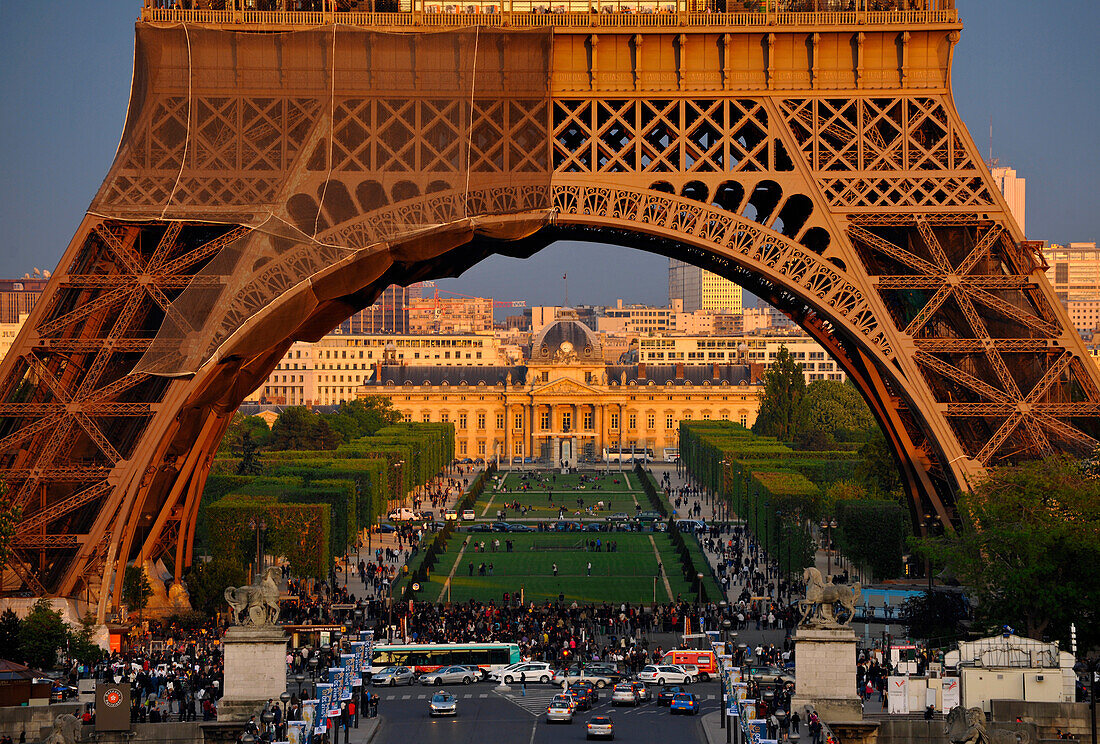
<point>64,82</point>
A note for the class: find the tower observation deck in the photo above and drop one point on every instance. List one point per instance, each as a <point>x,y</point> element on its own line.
<point>280,166</point>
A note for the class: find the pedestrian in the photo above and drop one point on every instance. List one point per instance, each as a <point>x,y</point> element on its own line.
<point>590,568</point>
<point>555,569</point>
<point>523,683</point>
<point>795,721</point>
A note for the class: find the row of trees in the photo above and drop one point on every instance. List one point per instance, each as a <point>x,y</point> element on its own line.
<point>37,639</point>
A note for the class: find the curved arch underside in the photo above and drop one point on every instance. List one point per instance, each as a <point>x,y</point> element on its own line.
<point>244,213</point>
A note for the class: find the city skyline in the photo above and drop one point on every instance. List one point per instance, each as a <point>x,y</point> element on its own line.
<point>66,91</point>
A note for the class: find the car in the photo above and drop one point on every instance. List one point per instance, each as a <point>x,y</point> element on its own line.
<point>479,527</point>
<point>385,527</point>
<point>662,673</point>
<point>689,525</point>
<point>531,671</point>
<point>684,702</point>
<point>402,515</point>
<point>659,526</point>
<point>566,526</point>
<point>624,694</point>
<point>605,669</point>
<point>590,689</point>
<point>581,696</point>
<point>560,709</point>
<point>393,676</point>
<point>443,704</point>
<point>594,527</point>
<point>691,669</point>
<point>520,528</point>
<point>478,672</point>
<point>600,727</point>
<point>448,676</point>
<point>641,689</point>
<point>664,697</point>
<point>450,515</point>
<point>435,526</point>
<point>501,526</point>
<point>467,514</point>
<point>768,675</point>
<point>617,517</point>
<point>649,516</point>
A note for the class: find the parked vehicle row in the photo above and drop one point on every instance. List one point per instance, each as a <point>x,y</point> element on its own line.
<point>596,675</point>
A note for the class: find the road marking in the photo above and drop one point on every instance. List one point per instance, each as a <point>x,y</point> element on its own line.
<point>657,553</point>
<point>406,697</point>
<point>467,696</point>
<point>420,697</point>
<point>534,727</point>
<point>451,575</point>
<point>482,696</point>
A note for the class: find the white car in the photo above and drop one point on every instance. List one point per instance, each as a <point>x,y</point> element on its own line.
<point>448,675</point>
<point>560,709</point>
<point>450,515</point>
<point>624,694</point>
<point>468,514</point>
<point>531,671</point>
<point>402,515</point>
<point>443,704</point>
<point>664,674</point>
<point>393,676</point>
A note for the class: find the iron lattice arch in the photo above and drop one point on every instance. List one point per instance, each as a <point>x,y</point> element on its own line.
<point>245,211</point>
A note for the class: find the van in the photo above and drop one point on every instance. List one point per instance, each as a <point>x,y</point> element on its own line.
<point>701,658</point>
<point>403,515</point>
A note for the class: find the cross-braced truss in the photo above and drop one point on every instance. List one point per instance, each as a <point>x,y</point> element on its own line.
<point>249,210</point>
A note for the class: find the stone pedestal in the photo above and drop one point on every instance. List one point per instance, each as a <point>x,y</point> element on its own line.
<point>825,674</point>
<point>255,670</point>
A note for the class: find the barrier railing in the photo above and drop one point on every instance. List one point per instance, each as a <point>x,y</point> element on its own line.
<point>568,15</point>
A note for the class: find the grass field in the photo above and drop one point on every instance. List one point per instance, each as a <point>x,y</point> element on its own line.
<point>546,492</point>
<point>625,575</point>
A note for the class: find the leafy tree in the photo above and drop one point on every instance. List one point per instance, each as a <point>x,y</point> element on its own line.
<point>206,583</point>
<point>784,387</point>
<point>241,428</point>
<point>41,635</point>
<point>878,469</point>
<point>250,459</point>
<point>9,635</point>
<point>935,615</point>
<point>363,417</point>
<point>1027,546</point>
<point>832,410</point>
<point>135,588</point>
<point>297,428</point>
<point>81,646</point>
<point>843,490</point>
<point>872,533</point>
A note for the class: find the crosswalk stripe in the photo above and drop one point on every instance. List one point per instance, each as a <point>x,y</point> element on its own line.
<point>406,697</point>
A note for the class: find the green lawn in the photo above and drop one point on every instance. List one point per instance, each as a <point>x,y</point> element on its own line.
<point>624,575</point>
<point>547,492</point>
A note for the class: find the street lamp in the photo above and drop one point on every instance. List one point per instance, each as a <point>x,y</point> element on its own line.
<point>699,587</point>
<point>829,525</point>
<point>314,661</point>
<point>284,696</point>
<point>267,716</point>
<point>258,528</point>
<point>300,678</point>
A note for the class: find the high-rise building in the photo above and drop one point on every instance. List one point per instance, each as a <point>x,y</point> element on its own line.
<point>388,314</point>
<point>450,315</point>
<point>1014,189</point>
<point>701,290</point>
<point>1074,271</point>
<point>17,297</point>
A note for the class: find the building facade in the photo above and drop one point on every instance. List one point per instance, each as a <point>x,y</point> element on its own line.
<point>450,315</point>
<point>567,404</point>
<point>331,370</point>
<point>18,296</point>
<point>702,290</point>
<point>1074,271</point>
<point>745,349</point>
<point>1014,190</point>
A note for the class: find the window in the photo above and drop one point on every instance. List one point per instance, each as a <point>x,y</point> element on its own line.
<point>567,421</point>
<point>706,415</point>
<point>500,420</point>
<point>651,421</point>
<point>632,421</point>
<point>670,421</point>
<point>461,421</point>
<point>481,422</point>
<point>744,419</point>
<point>481,448</point>
<point>461,448</point>
<point>544,421</point>
<point>445,417</point>
<point>518,422</point>
<point>614,421</point>
<point>426,417</point>
<point>588,420</point>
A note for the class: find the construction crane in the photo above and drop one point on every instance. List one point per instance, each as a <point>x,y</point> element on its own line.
<point>496,303</point>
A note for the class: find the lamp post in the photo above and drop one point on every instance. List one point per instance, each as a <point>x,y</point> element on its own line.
<point>828,525</point>
<point>699,587</point>
<point>284,696</point>
<point>300,678</point>
<point>267,716</point>
<point>722,487</point>
<point>314,661</point>
<point>258,527</point>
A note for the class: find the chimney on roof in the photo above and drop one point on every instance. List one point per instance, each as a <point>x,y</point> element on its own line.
<point>679,370</point>
<point>641,370</point>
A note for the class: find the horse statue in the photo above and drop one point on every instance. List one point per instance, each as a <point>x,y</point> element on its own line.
<point>66,730</point>
<point>967,726</point>
<point>259,603</point>
<point>818,609</point>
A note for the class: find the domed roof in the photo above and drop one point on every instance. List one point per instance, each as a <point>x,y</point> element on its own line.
<point>566,339</point>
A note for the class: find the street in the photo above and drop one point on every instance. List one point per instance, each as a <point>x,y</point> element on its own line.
<point>486,715</point>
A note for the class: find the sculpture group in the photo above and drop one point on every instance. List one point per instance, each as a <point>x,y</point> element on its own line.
<point>257,604</point>
<point>967,726</point>
<point>819,608</point>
